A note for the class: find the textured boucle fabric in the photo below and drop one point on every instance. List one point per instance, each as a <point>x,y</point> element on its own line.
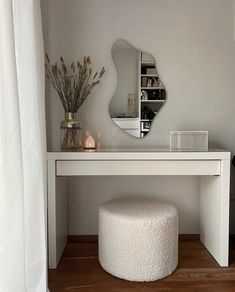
<point>138,238</point>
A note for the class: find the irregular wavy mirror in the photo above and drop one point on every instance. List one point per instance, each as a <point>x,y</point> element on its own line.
<point>139,94</point>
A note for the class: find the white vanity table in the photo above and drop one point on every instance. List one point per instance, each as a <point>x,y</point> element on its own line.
<point>213,167</point>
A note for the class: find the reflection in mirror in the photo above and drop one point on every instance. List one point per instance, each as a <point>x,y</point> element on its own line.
<point>139,94</point>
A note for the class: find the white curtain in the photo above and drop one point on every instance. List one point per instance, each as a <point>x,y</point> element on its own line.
<point>22,149</point>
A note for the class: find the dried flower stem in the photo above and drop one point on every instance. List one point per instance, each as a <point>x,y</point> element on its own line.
<point>74,83</point>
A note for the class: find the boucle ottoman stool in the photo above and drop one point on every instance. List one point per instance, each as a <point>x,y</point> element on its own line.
<point>138,238</point>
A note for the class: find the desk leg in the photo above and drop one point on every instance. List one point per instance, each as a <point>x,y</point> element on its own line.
<point>57,214</point>
<point>214,214</point>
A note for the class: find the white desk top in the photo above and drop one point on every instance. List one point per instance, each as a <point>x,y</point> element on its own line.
<point>139,154</point>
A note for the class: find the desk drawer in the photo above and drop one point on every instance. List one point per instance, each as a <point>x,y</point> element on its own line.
<point>124,167</point>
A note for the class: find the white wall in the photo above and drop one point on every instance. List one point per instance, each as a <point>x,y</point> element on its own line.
<point>192,42</point>
<point>126,61</point>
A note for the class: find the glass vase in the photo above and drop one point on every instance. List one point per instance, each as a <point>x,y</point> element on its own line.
<point>70,133</point>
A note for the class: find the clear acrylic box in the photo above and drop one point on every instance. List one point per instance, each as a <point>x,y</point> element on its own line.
<point>189,140</point>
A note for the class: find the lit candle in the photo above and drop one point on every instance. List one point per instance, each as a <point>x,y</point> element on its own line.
<point>89,143</point>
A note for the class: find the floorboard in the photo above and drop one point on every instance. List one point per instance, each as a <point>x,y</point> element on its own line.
<point>80,271</point>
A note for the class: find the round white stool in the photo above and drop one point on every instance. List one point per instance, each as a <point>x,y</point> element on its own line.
<point>138,238</point>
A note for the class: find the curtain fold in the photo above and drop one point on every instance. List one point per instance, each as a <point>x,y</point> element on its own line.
<point>23,266</point>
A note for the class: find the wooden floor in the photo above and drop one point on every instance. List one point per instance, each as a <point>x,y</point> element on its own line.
<point>79,270</point>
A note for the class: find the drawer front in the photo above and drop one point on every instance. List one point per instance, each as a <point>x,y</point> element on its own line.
<point>133,132</point>
<point>128,123</point>
<point>124,167</point>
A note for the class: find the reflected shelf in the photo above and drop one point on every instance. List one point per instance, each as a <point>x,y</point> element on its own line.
<point>152,88</point>
<point>149,75</point>
<point>153,101</point>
